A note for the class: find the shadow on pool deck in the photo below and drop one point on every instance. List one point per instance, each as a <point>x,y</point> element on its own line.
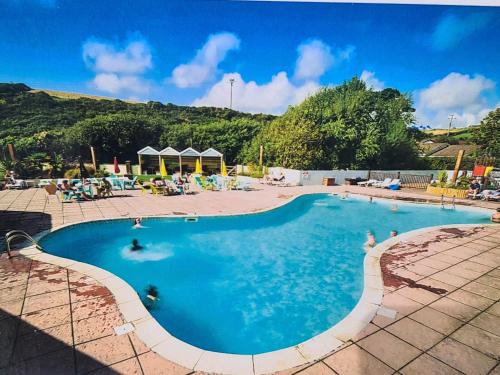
<point>24,349</point>
<point>29,221</point>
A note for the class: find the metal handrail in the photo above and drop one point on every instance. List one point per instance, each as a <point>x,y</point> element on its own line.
<point>13,234</point>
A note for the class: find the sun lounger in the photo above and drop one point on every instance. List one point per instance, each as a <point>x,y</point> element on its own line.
<point>368,182</point>
<point>384,183</point>
<point>44,182</point>
<point>394,185</point>
<point>242,185</point>
<point>17,184</point>
<point>128,183</point>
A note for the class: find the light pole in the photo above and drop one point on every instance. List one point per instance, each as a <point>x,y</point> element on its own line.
<point>231,81</point>
<point>451,117</point>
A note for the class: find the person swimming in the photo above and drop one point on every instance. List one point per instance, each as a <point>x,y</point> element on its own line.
<point>152,293</point>
<point>370,241</point>
<point>371,199</point>
<point>151,298</point>
<point>394,233</point>
<point>138,223</point>
<point>135,245</point>
<point>394,208</point>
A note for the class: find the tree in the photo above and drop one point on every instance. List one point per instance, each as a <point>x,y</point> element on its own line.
<point>487,134</point>
<point>348,126</point>
<point>120,135</point>
<point>228,137</point>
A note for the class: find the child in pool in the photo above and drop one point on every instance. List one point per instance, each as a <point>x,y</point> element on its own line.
<point>135,245</point>
<point>138,223</point>
<point>370,241</point>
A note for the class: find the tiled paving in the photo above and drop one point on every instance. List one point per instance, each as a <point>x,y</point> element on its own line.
<point>444,286</point>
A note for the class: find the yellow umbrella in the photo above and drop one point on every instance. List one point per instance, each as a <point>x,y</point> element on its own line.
<point>223,169</point>
<point>197,168</point>
<point>163,168</point>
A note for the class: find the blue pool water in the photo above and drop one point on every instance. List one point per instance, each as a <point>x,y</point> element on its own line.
<point>252,283</point>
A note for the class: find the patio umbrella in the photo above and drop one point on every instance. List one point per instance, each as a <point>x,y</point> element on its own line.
<point>197,168</point>
<point>83,171</point>
<point>117,168</point>
<point>163,168</point>
<point>223,169</point>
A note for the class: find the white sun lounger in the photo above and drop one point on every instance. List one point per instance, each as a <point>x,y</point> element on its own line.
<point>384,183</point>
<point>368,183</point>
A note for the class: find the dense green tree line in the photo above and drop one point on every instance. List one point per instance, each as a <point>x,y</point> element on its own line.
<point>347,126</point>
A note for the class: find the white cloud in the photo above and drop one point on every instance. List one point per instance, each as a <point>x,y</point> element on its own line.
<point>119,69</point>
<point>114,84</point>
<point>271,97</point>
<point>316,57</point>
<point>134,58</point>
<point>467,98</point>
<point>371,81</point>
<point>203,67</point>
<point>452,29</point>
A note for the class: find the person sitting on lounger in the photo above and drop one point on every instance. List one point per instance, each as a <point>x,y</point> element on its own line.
<point>11,179</point>
<point>280,178</point>
<point>474,188</point>
<point>104,188</point>
<point>135,245</point>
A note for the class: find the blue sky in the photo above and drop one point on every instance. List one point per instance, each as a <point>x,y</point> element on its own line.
<point>185,52</point>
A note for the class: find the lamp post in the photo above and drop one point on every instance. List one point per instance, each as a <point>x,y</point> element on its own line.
<point>231,81</point>
<point>451,117</point>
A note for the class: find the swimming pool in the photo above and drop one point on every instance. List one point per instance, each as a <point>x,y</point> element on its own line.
<point>254,283</point>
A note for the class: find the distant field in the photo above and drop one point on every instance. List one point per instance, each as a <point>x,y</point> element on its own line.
<point>445,131</point>
<point>74,95</point>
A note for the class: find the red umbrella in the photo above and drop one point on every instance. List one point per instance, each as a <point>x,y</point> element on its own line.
<point>115,162</point>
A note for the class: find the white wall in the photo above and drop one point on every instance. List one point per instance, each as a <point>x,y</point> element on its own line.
<point>316,177</point>
<point>312,177</point>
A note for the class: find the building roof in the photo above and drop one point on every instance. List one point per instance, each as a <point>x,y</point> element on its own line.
<point>431,148</point>
<point>452,151</point>
<point>211,153</point>
<point>190,152</point>
<point>148,150</point>
<point>169,151</point>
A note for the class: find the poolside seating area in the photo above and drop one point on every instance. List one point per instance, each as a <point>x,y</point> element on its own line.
<point>190,184</point>
<point>388,183</point>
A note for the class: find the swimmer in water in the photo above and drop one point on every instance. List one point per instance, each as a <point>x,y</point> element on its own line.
<point>138,223</point>
<point>394,208</point>
<point>135,245</point>
<point>152,293</point>
<point>152,297</point>
<point>370,241</point>
<point>371,199</point>
<point>394,233</point>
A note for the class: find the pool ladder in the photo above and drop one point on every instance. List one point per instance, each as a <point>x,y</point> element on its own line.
<point>452,202</point>
<point>13,234</point>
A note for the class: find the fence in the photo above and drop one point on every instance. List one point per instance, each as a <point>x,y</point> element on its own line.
<point>413,181</point>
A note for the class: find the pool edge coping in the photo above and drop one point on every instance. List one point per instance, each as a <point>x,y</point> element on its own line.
<point>159,340</point>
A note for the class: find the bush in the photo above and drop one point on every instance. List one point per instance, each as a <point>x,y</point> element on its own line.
<point>442,178</point>
<point>75,172</point>
<point>253,171</point>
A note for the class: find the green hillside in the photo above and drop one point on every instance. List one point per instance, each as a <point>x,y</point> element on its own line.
<point>457,135</point>
<point>45,121</point>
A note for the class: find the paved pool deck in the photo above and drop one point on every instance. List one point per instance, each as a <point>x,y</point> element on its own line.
<point>440,315</point>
